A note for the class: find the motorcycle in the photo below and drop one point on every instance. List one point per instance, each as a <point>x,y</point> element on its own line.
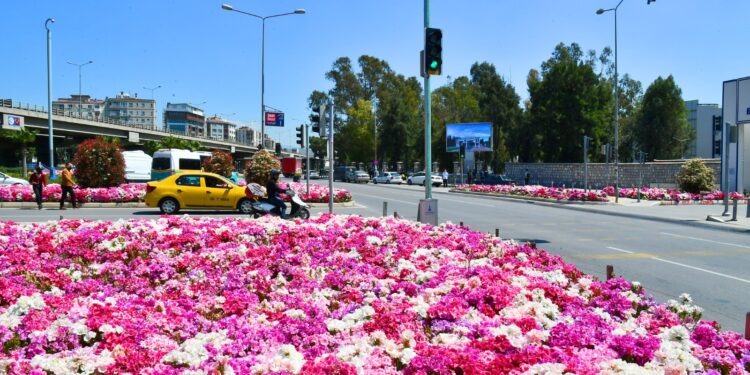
<point>261,207</point>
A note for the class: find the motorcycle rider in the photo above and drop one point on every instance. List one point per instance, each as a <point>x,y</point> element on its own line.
<point>273,190</point>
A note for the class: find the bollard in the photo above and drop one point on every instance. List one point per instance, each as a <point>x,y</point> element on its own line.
<point>497,232</point>
<point>747,202</point>
<point>61,217</point>
<point>734,210</point>
<point>395,214</point>
<point>532,244</point>
<point>385,208</point>
<point>747,326</point>
<point>461,224</point>
<point>610,271</point>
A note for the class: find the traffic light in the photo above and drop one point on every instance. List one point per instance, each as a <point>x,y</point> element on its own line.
<point>301,135</point>
<point>278,149</point>
<point>319,120</point>
<point>433,51</point>
<point>315,120</point>
<point>462,151</point>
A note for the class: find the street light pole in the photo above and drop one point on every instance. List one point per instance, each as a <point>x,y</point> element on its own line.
<point>152,89</point>
<point>262,62</point>
<point>617,105</point>
<point>49,92</point>
<point>80,100</point>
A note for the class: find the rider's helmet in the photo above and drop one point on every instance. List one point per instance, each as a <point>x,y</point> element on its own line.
<point>275,172</point>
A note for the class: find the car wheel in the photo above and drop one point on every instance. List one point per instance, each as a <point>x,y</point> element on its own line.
<point>388,182</point>
<point>245,206</point>
<point>408,182</point>
<point>374,182</point>
<point>169,206</point>
<point>422,183</point>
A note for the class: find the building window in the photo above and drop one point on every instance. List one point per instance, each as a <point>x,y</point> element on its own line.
<point>130,104</point>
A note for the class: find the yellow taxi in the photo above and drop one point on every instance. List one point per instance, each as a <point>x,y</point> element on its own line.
<point>196,190</point>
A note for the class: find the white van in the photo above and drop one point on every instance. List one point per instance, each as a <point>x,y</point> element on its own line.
<point>137,166</point>
<point>167,162</point>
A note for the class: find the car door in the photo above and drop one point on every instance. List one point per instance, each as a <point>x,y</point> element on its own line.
<point>189,191</point>
<point>217,192</point>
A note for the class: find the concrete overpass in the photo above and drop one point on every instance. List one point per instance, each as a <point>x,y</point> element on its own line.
<point>66,127</point>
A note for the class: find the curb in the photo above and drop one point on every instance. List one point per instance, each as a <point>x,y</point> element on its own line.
<point>691,223</point>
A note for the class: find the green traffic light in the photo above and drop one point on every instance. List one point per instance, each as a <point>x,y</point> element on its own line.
<point>433,64</point>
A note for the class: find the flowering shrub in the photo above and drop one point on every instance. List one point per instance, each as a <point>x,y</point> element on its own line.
<point>657,194</point>
<point>695,177</point>
<point>258,169</point>
<point>333,295</point>
<point>537,191</point>
<point>220,163</point>
<point>99,163</point>
<point>52,193</point>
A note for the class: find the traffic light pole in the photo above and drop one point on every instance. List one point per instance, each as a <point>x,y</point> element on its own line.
<point>330,156</point>
<point>307,156</point>
<point>427,119</point>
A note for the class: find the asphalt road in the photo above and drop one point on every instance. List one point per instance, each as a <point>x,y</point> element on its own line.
<point>668,259</point>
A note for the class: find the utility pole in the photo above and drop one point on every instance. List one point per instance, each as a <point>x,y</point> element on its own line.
<point>330,156</point>
<point>49,95</point>
<point>307,156</point>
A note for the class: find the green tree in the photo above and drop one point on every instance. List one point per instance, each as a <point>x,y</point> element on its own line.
<point>400,121</point>
<point>662,129</point>
<point>319,147</point>
<point>568,101</point>
<point>171,142</point>
<point>498,104</point>
<point>24,138</point>
<point>695,177</point>
<point>358,135</point>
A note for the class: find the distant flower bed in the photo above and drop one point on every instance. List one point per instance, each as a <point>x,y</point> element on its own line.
<point>52,192</point>
<point>333,295</point>
<point>537,191</point>
<point>657,194</point>
<point>128,193</point>
<point>318,193</point>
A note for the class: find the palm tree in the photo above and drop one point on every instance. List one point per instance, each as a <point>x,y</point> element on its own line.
<point>23,137</point>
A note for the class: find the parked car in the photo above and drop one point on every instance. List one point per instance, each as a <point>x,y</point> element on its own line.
<point>313,175</point>
<point>495,179</point>
<point>388,178</point>
<point>137,166</point>
<point>196,190</point>
<point>340,172</point>
<point>418,179</point>
<point>357,176</point>
<point>7,180</point>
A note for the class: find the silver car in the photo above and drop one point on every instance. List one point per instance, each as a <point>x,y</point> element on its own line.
<point>357,176</point>
<point>7,180</point>
<point>388,178</point>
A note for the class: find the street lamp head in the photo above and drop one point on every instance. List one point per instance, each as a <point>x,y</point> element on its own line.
<point>90,62</point>
<point>226,7</point>
<point>299,11</point>
<point>600,11</point>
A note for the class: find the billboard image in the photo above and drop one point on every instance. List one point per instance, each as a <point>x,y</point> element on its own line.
<point>476,136</point>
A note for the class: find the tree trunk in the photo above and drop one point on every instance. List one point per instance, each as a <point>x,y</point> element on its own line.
<point>25,171</point>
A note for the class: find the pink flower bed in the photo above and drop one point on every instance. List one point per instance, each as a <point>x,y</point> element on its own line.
<point>333,295</point>
<point>52,193</point>
<point>318,193</point>
<point>657,194</point>
<point>137,192</point>
<point>537,191</point>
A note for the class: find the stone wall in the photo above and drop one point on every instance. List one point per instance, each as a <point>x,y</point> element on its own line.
<point>655,174</point>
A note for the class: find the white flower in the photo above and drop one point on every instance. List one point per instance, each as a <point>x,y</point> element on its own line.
<point>11,318</point>
<point>193,351</point>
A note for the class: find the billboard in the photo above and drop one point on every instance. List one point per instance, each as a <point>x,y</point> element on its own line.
<point>476,136</point>
<point>274,119</point>
<point>12,122</point>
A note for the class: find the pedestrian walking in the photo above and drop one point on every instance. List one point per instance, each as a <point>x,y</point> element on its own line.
<point>526,177</point>
<point>38,181</point>
<point>67,186</point>
<point>445,178</point>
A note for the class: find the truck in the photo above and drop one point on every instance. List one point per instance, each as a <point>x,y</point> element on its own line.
<point>291,167</point>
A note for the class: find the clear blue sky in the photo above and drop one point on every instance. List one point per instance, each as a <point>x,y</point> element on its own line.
<point>200,53</point>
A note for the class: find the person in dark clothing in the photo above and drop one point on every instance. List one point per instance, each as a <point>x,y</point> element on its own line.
<point>38,181</point>
<point>526,177</point>
<point>273,190</point>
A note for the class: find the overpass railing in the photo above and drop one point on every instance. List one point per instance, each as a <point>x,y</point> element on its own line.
<point>9,103</point>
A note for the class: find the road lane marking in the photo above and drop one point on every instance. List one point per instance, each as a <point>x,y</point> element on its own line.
<point>705,240</point>
<point>686,266</point>
<point>620,250</point>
